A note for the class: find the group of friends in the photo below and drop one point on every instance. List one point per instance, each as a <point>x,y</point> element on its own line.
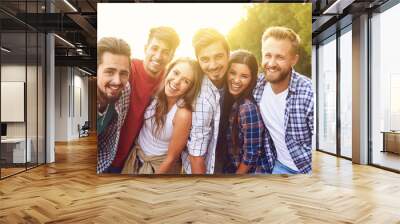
<point>216,114</point>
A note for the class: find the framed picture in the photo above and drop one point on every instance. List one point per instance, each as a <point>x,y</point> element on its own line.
<point>204,88</point>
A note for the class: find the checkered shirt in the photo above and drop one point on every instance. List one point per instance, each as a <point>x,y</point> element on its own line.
<point>205,123</point>
<point>107,141</point>
<point>299,122</point>
<point>250,137</point>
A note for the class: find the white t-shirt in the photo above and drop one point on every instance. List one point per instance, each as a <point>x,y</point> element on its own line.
<point>272,108</point>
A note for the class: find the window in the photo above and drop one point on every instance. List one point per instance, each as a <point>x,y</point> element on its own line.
<point>346,93</point>
<point>385,89</point>
<point>327,96</point>
<point>22,66</point>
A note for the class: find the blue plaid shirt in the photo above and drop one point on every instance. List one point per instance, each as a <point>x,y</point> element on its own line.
<point>250,137</point>
<point>299,122</point>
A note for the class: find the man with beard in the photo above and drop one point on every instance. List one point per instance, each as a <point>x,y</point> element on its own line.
<point>113,89</point>
<point>286,103</point>
<point>146,76</point>
<point>212,53</point>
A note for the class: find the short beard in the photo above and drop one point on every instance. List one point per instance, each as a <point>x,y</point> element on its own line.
<point>103,99</point>
<point>282,76</point>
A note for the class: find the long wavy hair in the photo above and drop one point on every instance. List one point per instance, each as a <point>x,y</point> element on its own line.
<point>240,57</point>
<point>186,101</point>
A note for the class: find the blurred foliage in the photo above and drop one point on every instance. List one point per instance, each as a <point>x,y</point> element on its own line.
<point>247,33</point>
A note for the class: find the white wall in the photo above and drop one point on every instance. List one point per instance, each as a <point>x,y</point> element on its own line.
<point>33,127</point>
<point>70,83</point>
<point>61,103</point>
<point>16,73</point>
<point>80,83</point>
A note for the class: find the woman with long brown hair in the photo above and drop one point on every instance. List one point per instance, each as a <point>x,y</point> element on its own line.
<point>167,122</point>
<point>241,118</point>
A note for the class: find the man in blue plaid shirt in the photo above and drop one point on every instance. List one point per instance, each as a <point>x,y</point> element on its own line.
<point>286,102</point>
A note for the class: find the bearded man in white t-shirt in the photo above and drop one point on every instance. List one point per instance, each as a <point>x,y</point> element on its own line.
<point>286,102</point>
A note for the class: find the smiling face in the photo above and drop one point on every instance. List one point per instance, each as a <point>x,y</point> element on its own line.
<point>239,79</point>
<point>179,80</point>
<point>213,60</point>
<point>278,59</point>
<point>112,76</point>
<point>157,55</point>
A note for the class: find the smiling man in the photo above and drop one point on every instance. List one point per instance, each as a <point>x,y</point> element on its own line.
<point>286,103</point>
<point>146,76</point>
<point>212,53</point>
<point>113,89</point>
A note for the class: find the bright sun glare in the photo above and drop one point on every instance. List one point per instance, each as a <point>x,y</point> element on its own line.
<point>132,22</point>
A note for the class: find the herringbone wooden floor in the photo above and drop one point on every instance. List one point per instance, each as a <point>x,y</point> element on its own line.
<point>69,191</point>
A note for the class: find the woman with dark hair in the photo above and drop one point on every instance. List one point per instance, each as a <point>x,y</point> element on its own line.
<point>167,122</point>
<point>241,118</point>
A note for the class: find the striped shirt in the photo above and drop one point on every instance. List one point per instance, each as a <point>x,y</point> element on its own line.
<point>250,129</point>
<point>205,124</point>
<point>299,122</point>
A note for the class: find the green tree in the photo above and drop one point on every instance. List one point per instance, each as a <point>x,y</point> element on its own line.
<point>247,33</point>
